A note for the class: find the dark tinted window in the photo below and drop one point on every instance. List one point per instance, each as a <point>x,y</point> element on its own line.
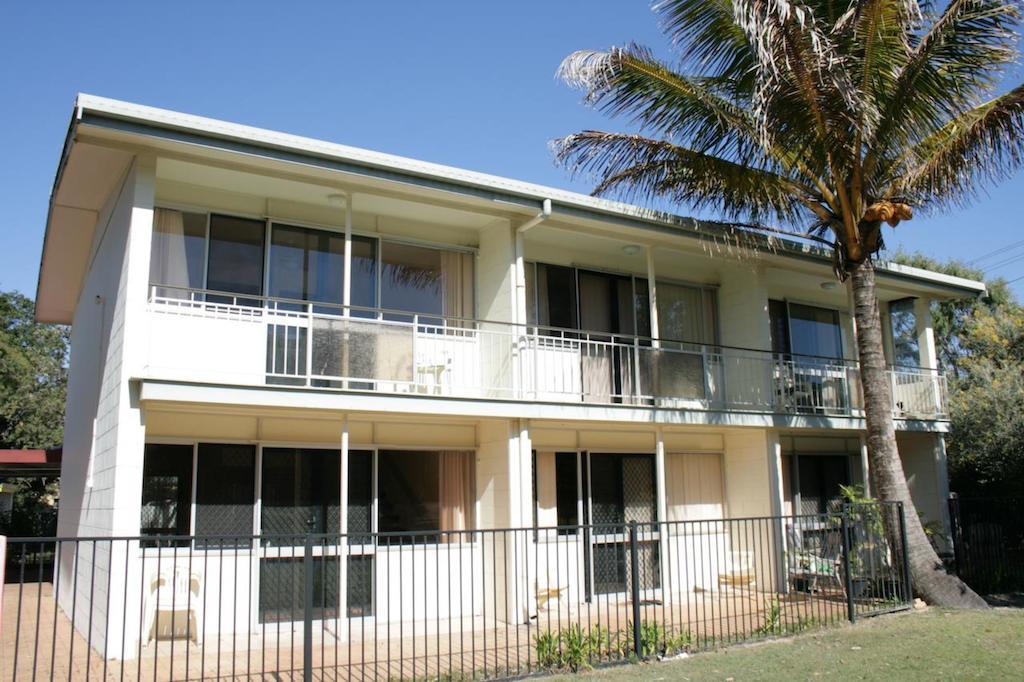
<point>235,262</point>
<point>408,491</point>
<point>360,495</point>
<point>166,490</point>
<point>225,492</point>
<point>566,488</point>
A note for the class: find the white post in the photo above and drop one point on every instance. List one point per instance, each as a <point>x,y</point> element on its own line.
<point>865,470</point>
<point>774,452</point>
<point>652,295</point>
<point>3,565</point>
<point>661,497</point>
<point>343,544</point>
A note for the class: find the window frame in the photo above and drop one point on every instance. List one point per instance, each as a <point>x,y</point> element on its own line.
<point>269,220</point>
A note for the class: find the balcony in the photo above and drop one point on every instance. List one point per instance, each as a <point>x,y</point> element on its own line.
<point>198,335</point>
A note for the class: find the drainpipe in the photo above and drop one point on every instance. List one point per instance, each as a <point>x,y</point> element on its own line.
<point>520,272</point>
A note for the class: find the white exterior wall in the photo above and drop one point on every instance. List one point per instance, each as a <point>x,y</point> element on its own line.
<point>101,475</point>
<point>924,464</point>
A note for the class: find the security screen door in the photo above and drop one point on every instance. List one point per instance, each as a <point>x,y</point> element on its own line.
<point>301,494</point>
<point>622,490</point>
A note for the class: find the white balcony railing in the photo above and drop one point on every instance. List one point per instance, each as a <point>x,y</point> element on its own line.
<point>230,338</point>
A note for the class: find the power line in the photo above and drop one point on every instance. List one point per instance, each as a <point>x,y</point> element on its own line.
<point>1002,263</point>
<point>1015,279</point>
<point>996,252</point>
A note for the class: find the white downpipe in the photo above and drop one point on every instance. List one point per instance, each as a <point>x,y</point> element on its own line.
<point>519,316</point>
<point>520,273</point>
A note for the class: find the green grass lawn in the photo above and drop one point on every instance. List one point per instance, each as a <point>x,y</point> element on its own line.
<point>924,645</point>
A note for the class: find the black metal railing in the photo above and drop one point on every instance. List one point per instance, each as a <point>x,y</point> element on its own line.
<point>441,605</point>
<point>988,542</point>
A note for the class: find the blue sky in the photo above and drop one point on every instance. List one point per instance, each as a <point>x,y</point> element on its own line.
<point>470,84</point>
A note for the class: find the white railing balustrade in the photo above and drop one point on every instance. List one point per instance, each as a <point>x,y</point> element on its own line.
<point>246,339</point>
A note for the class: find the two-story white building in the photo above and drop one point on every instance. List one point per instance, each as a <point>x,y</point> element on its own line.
<point>278,335</point>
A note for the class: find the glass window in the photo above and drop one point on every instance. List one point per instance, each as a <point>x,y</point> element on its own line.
<point>906,348</point>
<point>810,330</point>
<point>301,492</point>
<point>551,297</point>
<point>166,490</point>
<point>307,265</point>
<point>364,274</point>
<point>225,492</point>
<point>178,251</point>
<point>423,492</point>
<point>819,480</point>
<point>360,495</point>
<point>411,279</point>
<point>236,256</point>
<point>566,491</point>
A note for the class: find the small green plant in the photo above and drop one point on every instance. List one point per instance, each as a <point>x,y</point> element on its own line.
<point>548,655</point>
<point>772,619</point>
<point>575,648</point>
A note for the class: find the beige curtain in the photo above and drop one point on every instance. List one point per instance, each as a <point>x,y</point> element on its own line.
<point>456,284</point>
<point>456,492</point>
<point>168,263</point>
<point>693,487</point>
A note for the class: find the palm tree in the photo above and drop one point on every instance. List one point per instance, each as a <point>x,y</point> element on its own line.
<point>825,117</point>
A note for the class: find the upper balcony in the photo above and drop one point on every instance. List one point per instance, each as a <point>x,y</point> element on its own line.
<point>251,340</point>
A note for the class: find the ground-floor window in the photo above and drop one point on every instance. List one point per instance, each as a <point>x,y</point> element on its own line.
<point>418,496</point>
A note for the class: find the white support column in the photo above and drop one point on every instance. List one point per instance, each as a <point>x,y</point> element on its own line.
<point>346,287</point>
<point>925,334</point>
<point>652,295</point>
<point>775,488</point>
<point>661,497</point>
<point>343,525</point>
<point>865,468</point>
<point>522,492</point>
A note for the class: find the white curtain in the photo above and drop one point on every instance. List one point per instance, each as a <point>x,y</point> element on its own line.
<point>456,284</point>
<point>168,260</point>
<point>456,492</point>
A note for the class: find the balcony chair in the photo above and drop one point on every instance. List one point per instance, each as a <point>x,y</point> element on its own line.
<point>174,590</point>
<point>811,570</point>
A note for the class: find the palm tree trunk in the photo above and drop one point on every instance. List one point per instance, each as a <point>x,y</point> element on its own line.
<point>930,579</point>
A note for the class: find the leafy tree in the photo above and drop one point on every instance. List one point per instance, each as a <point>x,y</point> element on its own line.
<point>33,384</point>
<point>980,342</point>
<point>33,376</point>
<point>827,117</point>
<point>951,317</point>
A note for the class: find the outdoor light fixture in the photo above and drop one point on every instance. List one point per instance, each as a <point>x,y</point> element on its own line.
<point>829,285</point>
<point>631,250</point>
<point>337,199</point>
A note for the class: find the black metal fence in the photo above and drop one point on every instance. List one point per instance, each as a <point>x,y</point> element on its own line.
<point>988,543</point>
<point>442,605</point>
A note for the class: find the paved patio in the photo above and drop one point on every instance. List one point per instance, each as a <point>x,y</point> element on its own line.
<point>38,639</point>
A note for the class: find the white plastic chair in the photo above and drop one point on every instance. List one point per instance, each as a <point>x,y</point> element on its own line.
<point>175,590</point>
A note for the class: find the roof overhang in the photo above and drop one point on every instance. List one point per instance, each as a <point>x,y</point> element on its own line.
<point>30,462</point>
<point>104,134</point>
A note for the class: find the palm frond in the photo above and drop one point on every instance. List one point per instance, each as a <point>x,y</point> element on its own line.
<point>631,82</point>
<point>636,167</point>
<point>947,69</point>
<point>975,149</point>
<point>708,38</point>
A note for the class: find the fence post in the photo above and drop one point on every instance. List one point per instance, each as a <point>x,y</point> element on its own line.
<point>307,619</point>
<point>3,566</point>
<point>851,612</point>
<point>634,564</point>
<point>908,589</point>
